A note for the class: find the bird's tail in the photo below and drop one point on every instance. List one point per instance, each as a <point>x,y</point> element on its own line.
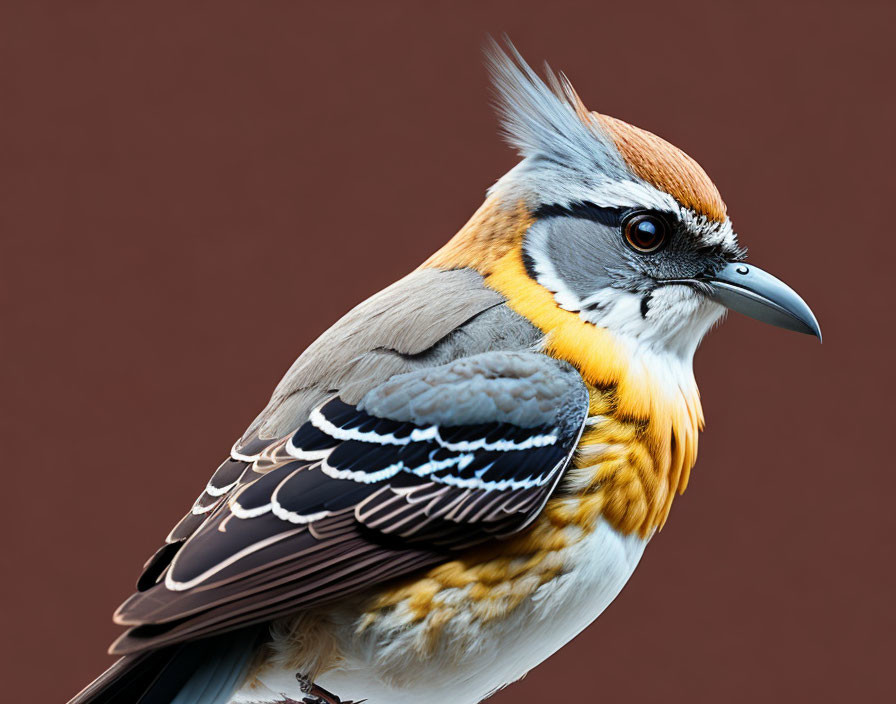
<point>206,671</point>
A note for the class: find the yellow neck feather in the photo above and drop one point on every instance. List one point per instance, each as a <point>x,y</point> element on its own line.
<point>657,421</point>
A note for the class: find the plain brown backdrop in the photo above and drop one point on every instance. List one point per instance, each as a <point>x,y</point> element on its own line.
<point>191,192</point>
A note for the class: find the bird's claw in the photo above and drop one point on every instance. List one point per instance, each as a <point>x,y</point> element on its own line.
<point>314,694</point>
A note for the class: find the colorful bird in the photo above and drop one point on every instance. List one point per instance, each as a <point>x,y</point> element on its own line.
<point>461,474</point>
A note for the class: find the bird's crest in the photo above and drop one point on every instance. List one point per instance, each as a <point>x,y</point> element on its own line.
<point>547,121</point>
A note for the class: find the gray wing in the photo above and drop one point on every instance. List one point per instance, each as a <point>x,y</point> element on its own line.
<point>429,317</point>
<point>415,322</point>
<point>424,464</point>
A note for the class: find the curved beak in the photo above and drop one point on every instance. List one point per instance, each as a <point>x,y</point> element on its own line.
<point>749,290</point>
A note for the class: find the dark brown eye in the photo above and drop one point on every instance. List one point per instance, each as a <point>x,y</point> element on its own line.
<point>645,233</point>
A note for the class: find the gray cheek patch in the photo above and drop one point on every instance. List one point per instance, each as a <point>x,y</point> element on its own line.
<point>585,256</point>
<point>576,258</point>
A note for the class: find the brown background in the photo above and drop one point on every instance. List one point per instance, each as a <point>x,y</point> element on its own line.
<point>193,191</point>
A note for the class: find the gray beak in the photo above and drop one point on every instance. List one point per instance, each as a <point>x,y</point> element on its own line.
<point>749,290</point>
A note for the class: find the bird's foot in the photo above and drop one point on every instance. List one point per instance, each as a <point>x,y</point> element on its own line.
<point>315,694</point>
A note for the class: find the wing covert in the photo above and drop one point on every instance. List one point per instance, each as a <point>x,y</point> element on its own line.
<point>426,464</point>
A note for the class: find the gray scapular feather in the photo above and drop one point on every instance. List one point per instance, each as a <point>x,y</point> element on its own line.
<point>427,318</point>
<point>526,389</point>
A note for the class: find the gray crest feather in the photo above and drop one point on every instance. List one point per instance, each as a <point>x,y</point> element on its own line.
<point>540,119</point>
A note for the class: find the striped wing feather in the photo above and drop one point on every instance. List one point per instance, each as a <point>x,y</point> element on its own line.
<point>347,501</point>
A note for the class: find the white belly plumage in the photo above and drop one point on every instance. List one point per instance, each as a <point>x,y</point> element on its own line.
<point>471,659</point>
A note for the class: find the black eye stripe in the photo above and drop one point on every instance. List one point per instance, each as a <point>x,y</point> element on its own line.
<point>612,217</point>
<point>529,265</point>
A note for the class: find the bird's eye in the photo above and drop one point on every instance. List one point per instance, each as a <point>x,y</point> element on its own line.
<point>645,232</point>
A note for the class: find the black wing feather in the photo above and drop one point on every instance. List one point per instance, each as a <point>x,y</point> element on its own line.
<point>348,500</point>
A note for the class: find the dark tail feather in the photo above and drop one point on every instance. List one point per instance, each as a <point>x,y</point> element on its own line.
<point>202,672</point>
<point>128,679</point>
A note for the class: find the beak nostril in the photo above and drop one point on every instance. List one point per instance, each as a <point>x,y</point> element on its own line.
<point>742,269</point>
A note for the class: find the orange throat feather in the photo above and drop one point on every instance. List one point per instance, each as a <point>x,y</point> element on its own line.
<point>641,439</point>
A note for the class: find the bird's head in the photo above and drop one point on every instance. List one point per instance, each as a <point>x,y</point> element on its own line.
<point>623,229</point>
<point>617,246</point>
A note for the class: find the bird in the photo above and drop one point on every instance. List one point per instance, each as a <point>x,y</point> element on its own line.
<point>460,475</point>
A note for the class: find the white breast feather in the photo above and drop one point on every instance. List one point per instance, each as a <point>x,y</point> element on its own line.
<point>472,659</point>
